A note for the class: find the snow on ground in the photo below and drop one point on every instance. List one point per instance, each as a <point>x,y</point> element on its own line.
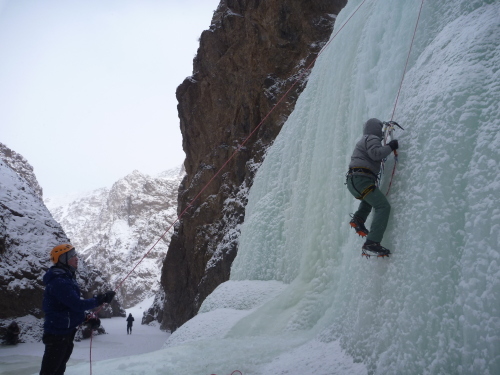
<point>25,359</point>
<point>212,342</point>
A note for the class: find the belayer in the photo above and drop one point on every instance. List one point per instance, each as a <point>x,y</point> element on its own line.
<point>64,309</point>
<point>361,182</point>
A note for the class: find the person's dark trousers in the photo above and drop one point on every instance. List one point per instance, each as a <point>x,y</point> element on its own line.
<point>58,349</point>
<point>376,199</point>
<point>129,330</point>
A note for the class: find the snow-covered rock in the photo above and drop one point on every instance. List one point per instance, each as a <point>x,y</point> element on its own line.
<point>27,234</point>
<point>114,228</point>
<point>21,166</point>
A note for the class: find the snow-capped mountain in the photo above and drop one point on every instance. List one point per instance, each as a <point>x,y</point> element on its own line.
<point>27,233</point>
<point>113,228</point>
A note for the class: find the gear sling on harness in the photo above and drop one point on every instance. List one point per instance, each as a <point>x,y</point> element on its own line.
<point>366,191</point>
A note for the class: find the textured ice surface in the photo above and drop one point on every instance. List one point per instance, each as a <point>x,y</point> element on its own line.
<point>434,306</point>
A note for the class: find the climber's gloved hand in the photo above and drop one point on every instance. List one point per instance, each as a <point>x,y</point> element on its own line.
<point>393,144</point>
<point>105,297</point>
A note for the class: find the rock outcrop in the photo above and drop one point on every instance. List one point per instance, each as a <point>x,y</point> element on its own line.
<point>248,59</point>
<point>113,228</point>
<point>21,166</point>
<point>27,234</point>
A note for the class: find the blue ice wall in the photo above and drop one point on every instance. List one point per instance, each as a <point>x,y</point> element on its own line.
<point>434,306</point>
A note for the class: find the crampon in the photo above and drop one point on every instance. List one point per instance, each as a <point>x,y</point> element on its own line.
<point>367,255</point>
<point>359,226</point>
<point>370,249</point>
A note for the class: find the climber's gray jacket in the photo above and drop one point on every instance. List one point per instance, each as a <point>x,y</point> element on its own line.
<point>369,151</point>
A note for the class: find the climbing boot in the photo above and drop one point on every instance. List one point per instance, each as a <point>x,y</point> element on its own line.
<point>374,248</point>
<point>359,226</point>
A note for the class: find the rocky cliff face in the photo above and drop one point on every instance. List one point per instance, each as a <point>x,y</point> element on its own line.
<point>27,234</point>
<point>250,56</point>
<point>114,228</point>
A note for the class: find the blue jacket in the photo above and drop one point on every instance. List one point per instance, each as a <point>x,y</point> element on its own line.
<point>63,307</point>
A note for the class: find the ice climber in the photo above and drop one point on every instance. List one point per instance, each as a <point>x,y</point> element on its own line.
<point>130,321</point>
<point>64,309</point>
<point>361,182</point>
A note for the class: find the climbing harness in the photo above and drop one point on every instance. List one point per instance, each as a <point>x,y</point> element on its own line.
<point>360,170</point>
<point>369,189</point>
<point>365,192</point>
<point>362,194</point>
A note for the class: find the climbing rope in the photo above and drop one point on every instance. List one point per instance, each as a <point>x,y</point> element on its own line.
<point>90,350</point>
<point>388,133</point>
<point>397,96</point>
<point>190,204</point>
<point>240,146</point>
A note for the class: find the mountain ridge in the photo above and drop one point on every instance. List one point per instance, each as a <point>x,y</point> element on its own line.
<point>114,227</point>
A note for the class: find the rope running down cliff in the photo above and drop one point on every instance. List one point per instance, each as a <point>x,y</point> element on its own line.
<point>307,69</point>
<point>242,144</point>
<point>399,91</point>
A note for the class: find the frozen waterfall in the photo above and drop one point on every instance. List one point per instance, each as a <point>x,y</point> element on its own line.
<point>301,299</point>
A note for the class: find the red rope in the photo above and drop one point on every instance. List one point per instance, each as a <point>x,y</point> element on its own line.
<point>407,59</point>
<point>228,160</point>
<point>91,334</point>
<point>392,174</point>
<point>241,145</point>
<point>399,91</point>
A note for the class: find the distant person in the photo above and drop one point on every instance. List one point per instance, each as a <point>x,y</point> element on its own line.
<point>130,321</point>
<point>64,309</point>
<point>12,334</point>
<point>361,183</point>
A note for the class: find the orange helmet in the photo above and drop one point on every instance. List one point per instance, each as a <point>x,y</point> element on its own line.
<point>59,250</point>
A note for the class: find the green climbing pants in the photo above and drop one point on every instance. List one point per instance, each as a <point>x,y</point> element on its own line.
<point>371,196</point>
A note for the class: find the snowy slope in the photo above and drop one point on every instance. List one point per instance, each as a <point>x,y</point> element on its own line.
<point>25,359</point>
<point>113,228</point>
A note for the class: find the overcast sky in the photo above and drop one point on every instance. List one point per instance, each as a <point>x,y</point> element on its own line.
<point>87,87</point>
